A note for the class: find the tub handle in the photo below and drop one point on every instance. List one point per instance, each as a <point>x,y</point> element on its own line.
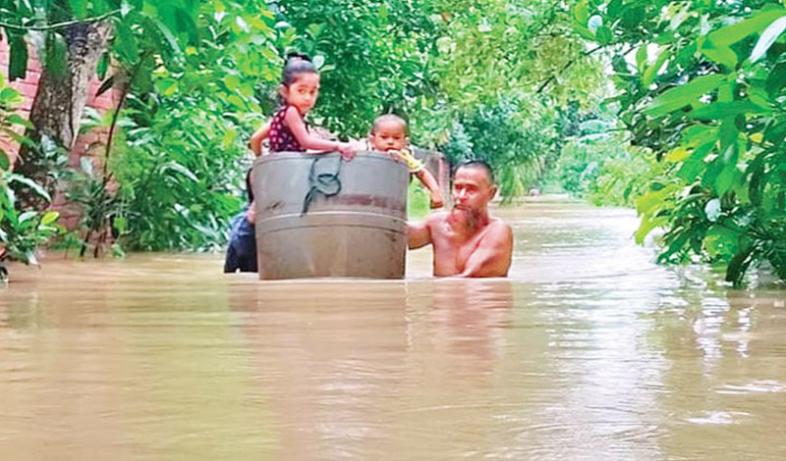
<point>328,183</point>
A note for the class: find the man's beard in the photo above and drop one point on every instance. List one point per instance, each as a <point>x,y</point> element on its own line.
<point>465,217</point>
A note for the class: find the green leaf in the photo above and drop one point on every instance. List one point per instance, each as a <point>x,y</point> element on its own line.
<point>678,154</point>
<point>647,225</point>
<point>604,35</point>
<point>230,136</point>
<point>31,184</point>
<point>5,162</point>
<point>699,134</point>
<point>721,110</point>
<point>728,175</point>
<point>17,63</point>
<point>106,86</point>
<point>721,240</point>
<point>126,43</point>
<point>581,12</point>
<point>26,216</point>
<point>768,37</point>
<point>776,79</point>
<point>614,8</point>
<point>103,66</point>
<point>174,166</point>
<point>78,8</point>
<point>694,164</point>
<point>732,34</point>
<point>641,57</point>
<point>679,97</point>
<point>49,218</point>
<point>721,54</point>
<point>169,38</point>
<point>653,200</point>
<point>16,119</point>
<point>120,224</point>
<point>56,55</point>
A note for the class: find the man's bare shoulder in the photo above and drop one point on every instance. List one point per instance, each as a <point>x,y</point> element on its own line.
<point>499,230</point>
<point>436,218</point>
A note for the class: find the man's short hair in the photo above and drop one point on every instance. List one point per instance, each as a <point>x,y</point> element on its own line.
<point>477,164</point>
<point>389,118</point>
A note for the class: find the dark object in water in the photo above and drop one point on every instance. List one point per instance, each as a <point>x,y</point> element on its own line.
<point>242,250</point>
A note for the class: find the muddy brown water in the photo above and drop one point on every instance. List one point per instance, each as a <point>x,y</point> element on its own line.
<point>588,351</point>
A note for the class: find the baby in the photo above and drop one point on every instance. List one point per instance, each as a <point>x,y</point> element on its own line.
<point>389,134</point>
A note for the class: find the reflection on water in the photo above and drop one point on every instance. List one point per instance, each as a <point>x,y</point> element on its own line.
<point>589,351</point>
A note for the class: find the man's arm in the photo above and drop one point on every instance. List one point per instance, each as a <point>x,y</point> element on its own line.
<point>493,255</point>
<point>418,234</point>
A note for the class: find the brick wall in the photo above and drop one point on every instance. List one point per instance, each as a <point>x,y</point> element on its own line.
<point>86,145</point>
<point>28,87</point>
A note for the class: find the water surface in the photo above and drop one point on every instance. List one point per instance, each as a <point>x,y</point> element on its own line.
<point>588,351</point>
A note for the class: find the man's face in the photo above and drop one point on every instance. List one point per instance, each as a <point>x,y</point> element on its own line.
<point>389,135</point>
<point>472,189</point>
<point>303,92</point>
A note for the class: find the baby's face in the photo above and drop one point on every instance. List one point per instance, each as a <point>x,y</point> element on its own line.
<point>389,136</point>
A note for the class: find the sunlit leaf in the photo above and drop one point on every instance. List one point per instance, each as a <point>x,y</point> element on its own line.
<point>681,96</point>
<point>732,34</point>
<point>768,37</point>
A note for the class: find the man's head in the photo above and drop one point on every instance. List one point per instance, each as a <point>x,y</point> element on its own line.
<point>389,132</point>
<point>473,185</point>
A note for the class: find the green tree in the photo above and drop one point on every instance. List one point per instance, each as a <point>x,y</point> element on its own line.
<point>22,230</point>
<point>701,86</point>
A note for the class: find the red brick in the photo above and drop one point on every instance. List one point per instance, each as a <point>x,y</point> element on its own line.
<point>33,66</point>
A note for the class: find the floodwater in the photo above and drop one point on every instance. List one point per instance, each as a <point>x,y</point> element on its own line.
<point>589,351</point>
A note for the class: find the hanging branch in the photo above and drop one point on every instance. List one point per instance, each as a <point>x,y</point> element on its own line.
<point>116,115</point>
<point>59,25</point>
<point>565,67</point>
<point>112,127</point>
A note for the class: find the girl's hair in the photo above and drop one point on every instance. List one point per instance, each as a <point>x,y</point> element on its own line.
<point>297,64</point>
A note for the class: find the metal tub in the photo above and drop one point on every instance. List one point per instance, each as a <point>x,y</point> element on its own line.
<point>358,232</point>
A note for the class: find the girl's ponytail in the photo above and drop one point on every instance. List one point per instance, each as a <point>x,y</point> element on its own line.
<point>296,64</point>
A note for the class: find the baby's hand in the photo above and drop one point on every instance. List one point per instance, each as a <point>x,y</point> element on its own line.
<point>436,200</point>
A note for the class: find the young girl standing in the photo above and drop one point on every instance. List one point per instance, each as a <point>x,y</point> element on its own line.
<point>287,130</point>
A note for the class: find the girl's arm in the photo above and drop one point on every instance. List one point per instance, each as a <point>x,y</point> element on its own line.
<point>428,181</point>
<point>309,141</point>
<point>255,143</point>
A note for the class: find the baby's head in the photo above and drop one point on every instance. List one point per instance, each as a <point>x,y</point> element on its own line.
<point>389,132</point>
<point>300,83</point>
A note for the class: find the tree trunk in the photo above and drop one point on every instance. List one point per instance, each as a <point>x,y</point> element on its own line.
<point>58,106</point>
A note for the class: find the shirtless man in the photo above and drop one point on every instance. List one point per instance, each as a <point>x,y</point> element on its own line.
<point>467,241</point>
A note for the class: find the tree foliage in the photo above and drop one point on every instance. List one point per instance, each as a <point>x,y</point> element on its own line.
<point>701,84</point>
<point>21,230</point>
